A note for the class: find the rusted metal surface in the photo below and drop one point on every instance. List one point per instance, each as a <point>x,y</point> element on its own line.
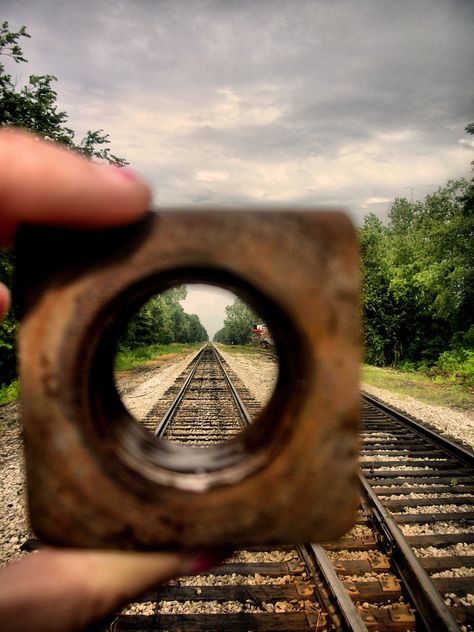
<point>95,478</point>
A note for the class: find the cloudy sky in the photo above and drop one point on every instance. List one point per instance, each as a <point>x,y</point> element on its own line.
<point>209,303</point>
<point>347,103</point>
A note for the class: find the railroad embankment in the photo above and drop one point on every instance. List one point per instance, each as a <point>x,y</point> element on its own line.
<point>447,407</point>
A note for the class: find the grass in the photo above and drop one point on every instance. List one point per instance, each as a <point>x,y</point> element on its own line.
<point>9,392</point>
<point>444,391</point>
<point>129,359</point>
<point>124,361</point>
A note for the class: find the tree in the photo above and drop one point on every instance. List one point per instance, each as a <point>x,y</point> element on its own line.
<point>381,318</point>
<point>238,324</point>
<point>33,106</point>
<point>197,332</point>
<point>162,320</point>
<point>418,276</point>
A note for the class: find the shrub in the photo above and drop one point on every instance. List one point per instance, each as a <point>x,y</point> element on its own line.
<point>408,366</point>
<point>9,392</point>
<point>458,362</point>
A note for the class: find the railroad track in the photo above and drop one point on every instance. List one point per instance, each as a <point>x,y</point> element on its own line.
<point>418,492</point>
<point>203,406</point>
<point>256,589</point>
<point>410,558</point>
<point>375,578</point>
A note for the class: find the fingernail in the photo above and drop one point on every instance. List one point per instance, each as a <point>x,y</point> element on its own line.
<point>205,562</point>
<point>122,172</point>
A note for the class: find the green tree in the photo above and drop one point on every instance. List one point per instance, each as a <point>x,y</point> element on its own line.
<point>238,324</point>
<point>381,323</point>
<point>418,276</point>
<point>197,332</point>
<point>162,320</point>
<point>33,106</point>
<point>469,129</point>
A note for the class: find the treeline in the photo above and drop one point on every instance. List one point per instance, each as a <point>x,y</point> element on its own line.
<point>162,320</point>
<point>418,273</point>
<point>238,324</point>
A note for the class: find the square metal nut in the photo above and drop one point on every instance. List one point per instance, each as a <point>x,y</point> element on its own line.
<point>98,479</point>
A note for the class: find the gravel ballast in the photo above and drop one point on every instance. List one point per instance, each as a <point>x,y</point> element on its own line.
<point>452,423</point>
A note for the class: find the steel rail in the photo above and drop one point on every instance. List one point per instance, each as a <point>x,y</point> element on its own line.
<point>431,609</point>
<point>238,402</point>
<point>317,561</point>
<point>313,554</point>
<point>164,423</point>
<point>168,416</point>
<point>455,449</point>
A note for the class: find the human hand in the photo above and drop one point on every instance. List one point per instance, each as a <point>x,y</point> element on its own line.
<point>43,183</point>
<point>57,590</point>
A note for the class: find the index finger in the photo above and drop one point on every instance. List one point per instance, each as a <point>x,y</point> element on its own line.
<point>43,183</point>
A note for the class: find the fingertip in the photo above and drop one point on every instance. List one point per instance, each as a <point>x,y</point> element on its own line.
<point>45,183</point>
<point>123,172</point>
<point>4,300</point>
<point>121,190</point>
<point>205,561</point>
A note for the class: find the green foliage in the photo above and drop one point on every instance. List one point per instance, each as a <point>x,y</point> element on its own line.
<point>418,274</point>
<point>238,324</point>
<point>455,365</point>
<point>161,321</point>
<point>458,363</point>
<point>9,46</point>
<point>7,349</point>
<point>381,341</point>
<point>423,385</point>
<point>9,392</point>
<point>89,146</point>
<point>8,326</point>
<point>128,359</point>
<point>33,106</point>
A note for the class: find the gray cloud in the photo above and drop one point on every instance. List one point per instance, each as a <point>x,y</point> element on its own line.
<point>342,102</point>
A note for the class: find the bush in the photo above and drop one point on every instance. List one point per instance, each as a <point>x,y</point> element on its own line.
<point>463,339</point>
<point>408,366</point>
<point>9,392</point>
<point>458,362</point>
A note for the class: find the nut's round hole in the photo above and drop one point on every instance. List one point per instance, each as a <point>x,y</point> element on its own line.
<point>177,356</point>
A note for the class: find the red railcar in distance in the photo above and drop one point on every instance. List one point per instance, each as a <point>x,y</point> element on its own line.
<point>261,337</point>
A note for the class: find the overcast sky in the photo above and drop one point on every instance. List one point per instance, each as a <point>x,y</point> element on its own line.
<point>209,303</point>
<point>347,103</point>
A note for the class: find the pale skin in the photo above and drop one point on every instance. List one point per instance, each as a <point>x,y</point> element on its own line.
<point>62,590</point>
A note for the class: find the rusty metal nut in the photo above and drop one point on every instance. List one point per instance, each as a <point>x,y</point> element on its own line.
<point>98,479</point>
